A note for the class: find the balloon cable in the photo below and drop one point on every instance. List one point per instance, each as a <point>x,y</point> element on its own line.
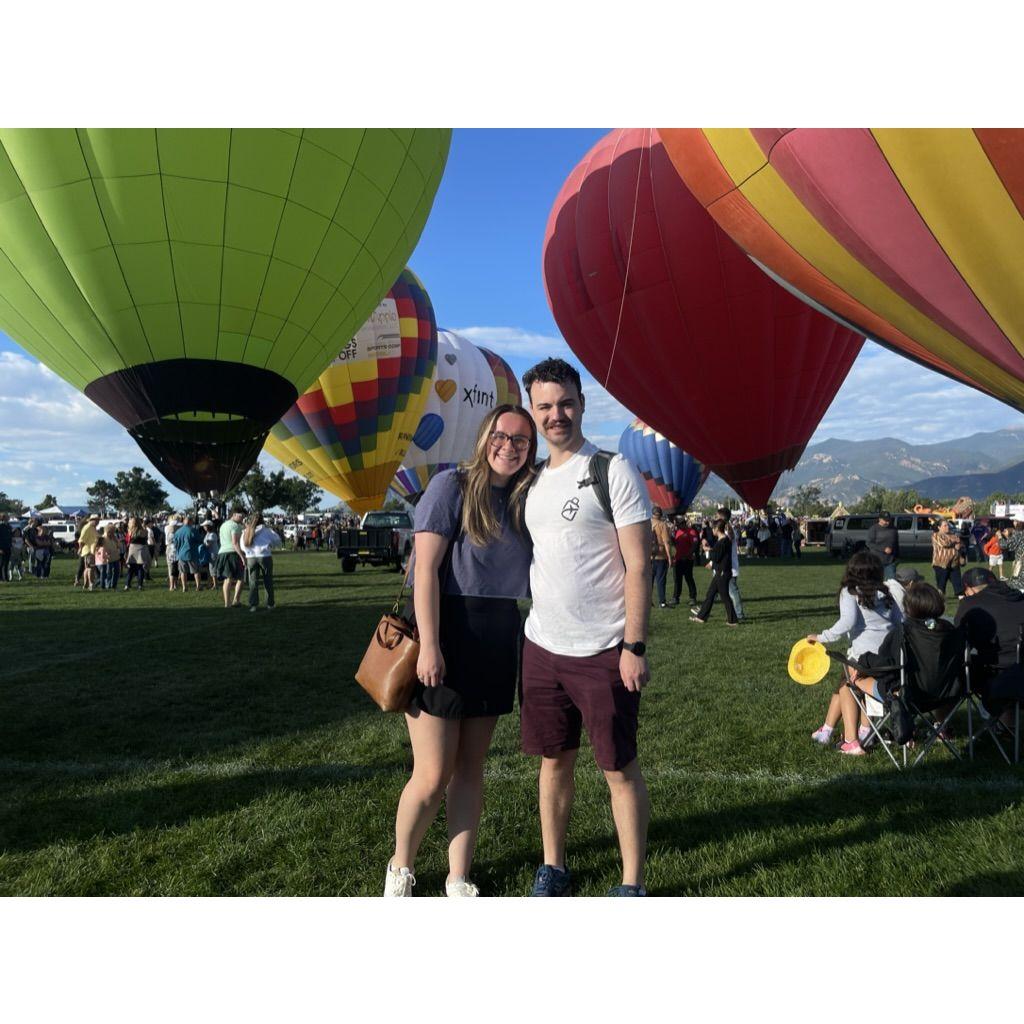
<point>629,256</point>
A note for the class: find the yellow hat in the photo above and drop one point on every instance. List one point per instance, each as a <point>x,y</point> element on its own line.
<point>808,663</point>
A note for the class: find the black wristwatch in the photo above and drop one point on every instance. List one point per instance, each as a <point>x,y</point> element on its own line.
<point>639,648</point>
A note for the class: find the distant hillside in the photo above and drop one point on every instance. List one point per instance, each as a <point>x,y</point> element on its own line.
<point>844,470</point>
<point>976,485</point>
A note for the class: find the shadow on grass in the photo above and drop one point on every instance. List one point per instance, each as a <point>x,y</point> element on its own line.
<point>178,682</point>
<point>37,824</point>
<point>886,814</point>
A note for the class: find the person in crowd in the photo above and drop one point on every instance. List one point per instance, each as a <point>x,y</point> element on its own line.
<point>720,563</point>
<point>763,536</point>
<point>17,566</point>
<point>883,541</point>
<point>231,558</point>
<point>187,540</point>
<point>946,558</point>
<point>6,536</point>
<point>992,614</point>
<point>258,542</point>
<point>980,535</point>
<point>993,548</point>
<point>98,562</point>
<point>905,578</point>
<point>170,552</point>
<point>686,540</point>
<point>867,612</point>
<point>86,550</point>
<point>661,552</point>
<point>585,654</point>
<point>786,537</point>
<point>111,540</point>
<point>1015,550</point>
<point>152,542</point>
<point>209,550</point>
<point>472,564</point>
<point>734,580</point>
<point>749,537</point>
<point>798,537</point>
<point>42,549</point>
<point>138,559</point>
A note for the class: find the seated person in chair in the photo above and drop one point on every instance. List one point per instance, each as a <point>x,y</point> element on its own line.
<point>993,615</point>
<point>923,606</point>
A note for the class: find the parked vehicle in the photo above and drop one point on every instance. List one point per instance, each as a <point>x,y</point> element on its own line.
<point>64,532</point>
<point>849,533</point>
<point>383,538</point>
<point>816,532</point>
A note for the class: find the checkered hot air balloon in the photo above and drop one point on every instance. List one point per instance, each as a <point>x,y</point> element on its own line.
<point>350,431</point>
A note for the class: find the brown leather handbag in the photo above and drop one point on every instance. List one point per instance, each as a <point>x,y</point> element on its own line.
<point>388,669</point>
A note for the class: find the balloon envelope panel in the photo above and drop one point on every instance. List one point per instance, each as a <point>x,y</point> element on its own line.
<point>679,325</point>
<point>468,383</point>
<point>352,428</point>
<point>673,477</point>
<point>192,282</point>
<point>913,234</point>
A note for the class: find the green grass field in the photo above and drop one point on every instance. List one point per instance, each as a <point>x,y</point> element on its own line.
<point>157,744</point>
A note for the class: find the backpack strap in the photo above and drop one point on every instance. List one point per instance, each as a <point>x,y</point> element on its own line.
<point>597,477</point>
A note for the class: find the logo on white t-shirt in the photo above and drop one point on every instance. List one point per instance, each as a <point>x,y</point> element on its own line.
<point>570,508</point>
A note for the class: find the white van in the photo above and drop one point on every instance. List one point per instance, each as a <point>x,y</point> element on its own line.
<point>64,532</point>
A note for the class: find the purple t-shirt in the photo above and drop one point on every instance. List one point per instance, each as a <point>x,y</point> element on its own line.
<point>501,569</point>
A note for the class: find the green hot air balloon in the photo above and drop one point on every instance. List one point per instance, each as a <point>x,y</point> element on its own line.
<point>194,282</point>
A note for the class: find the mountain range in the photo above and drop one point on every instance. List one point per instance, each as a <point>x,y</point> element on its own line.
<point>976,466</point>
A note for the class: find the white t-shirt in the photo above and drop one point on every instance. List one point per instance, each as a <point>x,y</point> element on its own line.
<point>262,541</point>
<point>172,555</point>
<point>577,578</point>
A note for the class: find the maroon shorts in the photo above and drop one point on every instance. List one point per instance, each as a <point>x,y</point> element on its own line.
<point>561,694</point>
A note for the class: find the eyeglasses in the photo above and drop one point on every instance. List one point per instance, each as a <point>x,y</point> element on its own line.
<point>519,441</point>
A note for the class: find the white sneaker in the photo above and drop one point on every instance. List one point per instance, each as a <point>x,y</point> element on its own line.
<point>460,887</point>
<point>398,883</point>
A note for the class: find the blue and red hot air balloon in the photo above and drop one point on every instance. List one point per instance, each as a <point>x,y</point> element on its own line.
<point>673,477</point>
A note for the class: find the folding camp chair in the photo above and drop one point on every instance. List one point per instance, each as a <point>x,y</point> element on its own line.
<point>934,683</point>
<point>1007,686</point>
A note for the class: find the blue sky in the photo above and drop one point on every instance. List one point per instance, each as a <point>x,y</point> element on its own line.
<point>480,260</point>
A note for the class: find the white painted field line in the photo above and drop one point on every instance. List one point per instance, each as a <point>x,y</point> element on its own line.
<point>333,770</point>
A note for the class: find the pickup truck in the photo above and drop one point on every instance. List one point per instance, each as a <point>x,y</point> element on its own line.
<point>383,538</point>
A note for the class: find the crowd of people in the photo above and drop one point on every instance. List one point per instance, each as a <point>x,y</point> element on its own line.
<point>207,554</point>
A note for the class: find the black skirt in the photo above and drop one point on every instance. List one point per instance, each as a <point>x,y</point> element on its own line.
<point>480,641</point>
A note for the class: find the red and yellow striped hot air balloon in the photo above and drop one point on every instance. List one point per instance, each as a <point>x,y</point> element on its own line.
<point>914,235</point>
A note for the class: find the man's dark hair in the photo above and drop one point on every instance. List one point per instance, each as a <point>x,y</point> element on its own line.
<point>552,371</point>
<point>724,513</point>
<point>923,601</point>
<point>237,510</point>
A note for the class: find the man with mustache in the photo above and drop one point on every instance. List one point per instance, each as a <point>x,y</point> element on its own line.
<point>584,657</point>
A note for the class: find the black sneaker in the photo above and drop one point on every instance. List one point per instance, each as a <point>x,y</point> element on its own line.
<point>628,890</point>
<point>551,881</point>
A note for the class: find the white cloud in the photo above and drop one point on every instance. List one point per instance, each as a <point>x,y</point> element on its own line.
<point>516,343</point>
<point>886,395</point>
<point>53,439</point>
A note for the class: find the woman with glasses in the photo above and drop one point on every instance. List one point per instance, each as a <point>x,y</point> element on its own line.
<point>472,564</point>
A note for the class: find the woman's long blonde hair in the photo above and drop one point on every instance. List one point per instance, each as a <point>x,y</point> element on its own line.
<point>478,519</point>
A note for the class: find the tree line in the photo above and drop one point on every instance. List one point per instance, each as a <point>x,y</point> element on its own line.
<point>137,493</point>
